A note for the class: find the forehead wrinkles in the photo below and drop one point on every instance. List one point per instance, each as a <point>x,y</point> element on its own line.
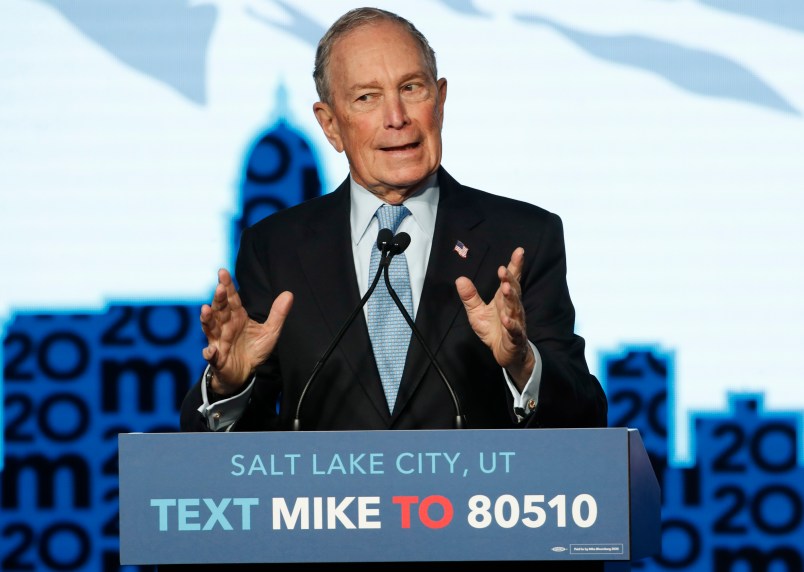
<point>359,59</point>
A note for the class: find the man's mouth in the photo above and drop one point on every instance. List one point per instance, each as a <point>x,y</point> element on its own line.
<point>401,147</point>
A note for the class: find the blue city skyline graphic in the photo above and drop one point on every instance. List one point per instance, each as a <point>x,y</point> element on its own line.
<point>73,378</point>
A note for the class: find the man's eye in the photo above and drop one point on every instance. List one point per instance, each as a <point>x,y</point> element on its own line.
<point>364,97</point>
<point>414,92</point>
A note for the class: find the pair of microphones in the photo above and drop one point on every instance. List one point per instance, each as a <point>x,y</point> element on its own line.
<point>389,245</point>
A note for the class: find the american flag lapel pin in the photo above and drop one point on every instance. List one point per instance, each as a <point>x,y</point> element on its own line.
<point>461,249</point>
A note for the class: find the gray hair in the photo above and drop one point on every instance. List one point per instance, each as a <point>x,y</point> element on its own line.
<point>349,22</point>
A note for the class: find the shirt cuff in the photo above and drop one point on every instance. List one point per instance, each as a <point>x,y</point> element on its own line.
<point>222,415</point>
<point>525,403</point>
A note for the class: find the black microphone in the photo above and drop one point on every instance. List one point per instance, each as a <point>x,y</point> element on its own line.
<point>384,239</point>
<point>384,245</point>
<point>400,242</point>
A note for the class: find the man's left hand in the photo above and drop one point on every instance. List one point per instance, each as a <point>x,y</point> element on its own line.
<point>500,324</point>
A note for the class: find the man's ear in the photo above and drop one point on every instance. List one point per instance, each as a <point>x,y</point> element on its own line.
<point>329,124</point>
<point>442,97</point>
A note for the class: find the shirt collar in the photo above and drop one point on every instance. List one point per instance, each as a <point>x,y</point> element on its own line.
<point>423,207</point>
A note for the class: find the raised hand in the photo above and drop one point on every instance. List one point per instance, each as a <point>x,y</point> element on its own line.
<point>500,324</point>
<point>236,343</point>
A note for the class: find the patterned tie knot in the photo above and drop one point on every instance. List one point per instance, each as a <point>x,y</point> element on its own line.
<point>390,216</point>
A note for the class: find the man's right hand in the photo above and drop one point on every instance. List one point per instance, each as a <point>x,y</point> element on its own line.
<point>236,343</point>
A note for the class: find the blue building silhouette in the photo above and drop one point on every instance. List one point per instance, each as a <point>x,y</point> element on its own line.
<point>74,381</point>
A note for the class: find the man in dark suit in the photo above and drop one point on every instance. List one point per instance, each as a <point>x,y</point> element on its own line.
<point>306,250</point>
<point>487,276</point>
<point>513,360</point>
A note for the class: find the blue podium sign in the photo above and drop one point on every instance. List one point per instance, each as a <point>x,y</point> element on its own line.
<point>384,496</point>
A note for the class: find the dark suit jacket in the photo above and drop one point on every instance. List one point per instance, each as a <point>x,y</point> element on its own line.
<point>307,249</point>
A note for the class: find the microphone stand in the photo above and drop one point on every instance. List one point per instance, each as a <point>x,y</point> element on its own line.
<point>389,246</point>
<point>399,248</point>
<point>384,238</point>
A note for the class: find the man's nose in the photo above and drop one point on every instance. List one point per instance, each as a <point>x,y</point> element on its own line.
<point>396,115</point>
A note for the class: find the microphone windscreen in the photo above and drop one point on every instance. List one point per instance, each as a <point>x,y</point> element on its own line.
<point>401,242</point>
<point>384,238</point>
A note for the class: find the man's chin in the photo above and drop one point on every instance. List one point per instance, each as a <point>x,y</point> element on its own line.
<point>399,182</point>
<point>408,186</point>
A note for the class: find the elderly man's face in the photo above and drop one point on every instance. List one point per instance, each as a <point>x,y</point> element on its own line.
<point>386,111</point>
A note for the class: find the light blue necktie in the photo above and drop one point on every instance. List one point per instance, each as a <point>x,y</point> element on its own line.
<point>389,333</point>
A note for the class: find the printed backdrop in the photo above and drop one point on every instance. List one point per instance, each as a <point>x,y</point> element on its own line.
<point>137,137</point>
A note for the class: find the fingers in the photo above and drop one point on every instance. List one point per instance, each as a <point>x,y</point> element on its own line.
<point>217,314</point>
<point>235,343</point>
<point>509,275</point>
<point>500,324</point>
<point>224,292</point>
<point>225,301</point>
<point>516,263</point>
<point>208,324</point>
<point>232,298</point>
<point>511,311</point>
<point>510,306</point>
<point>279,311</point>
<point>224,277</point>
<point>209,354</point>
<point>468,294</point>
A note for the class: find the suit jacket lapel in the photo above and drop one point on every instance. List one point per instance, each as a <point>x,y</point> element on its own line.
<point>439,304</point>
<point>325,252</point>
